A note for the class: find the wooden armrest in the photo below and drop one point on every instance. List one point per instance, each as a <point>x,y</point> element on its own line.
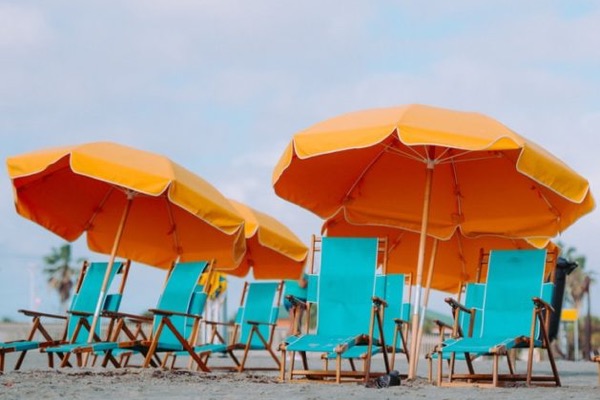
<point>379,301</point>
<point>259,323</point>
<point>455,304</point>
<point>442,324</point>
<point>169,313</point>
<point>541,303</point>
<point>400,321</point>
<point>133,317</point>
<point>80,313</point>
<point>31,313</point>
<point>217,323</point>
<point>296,301</point>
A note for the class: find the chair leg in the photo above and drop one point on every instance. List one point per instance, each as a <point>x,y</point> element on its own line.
<point>352,365</point>
<point>469,362</point>
<point>64,361</point>
<point>511,366</point>
<point>553,365</point>
<point>429,369</point>
<point>292,354</point>
<point>495,370</point>
<point>440,368</point>
<point>282,365</point>
<point>22,357</point>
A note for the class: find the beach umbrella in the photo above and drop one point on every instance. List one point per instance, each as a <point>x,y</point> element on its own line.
<point>433,171</point>
<point>456,260</point>
<point>130,203</point>
<point>273,251</point>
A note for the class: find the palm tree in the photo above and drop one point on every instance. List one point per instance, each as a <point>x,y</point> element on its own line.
<point>60,273</point>
<point>578,289</point>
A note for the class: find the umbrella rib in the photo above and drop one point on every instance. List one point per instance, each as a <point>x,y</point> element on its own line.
<point>173,228</point>
<point>461,257</point>
<point>456,158</point>
<point>362,174</point>
<point>457,193</point>
<point>98,208</point>
<point>415,156</point>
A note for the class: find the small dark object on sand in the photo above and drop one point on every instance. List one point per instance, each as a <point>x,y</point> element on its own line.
<point>391,379</point>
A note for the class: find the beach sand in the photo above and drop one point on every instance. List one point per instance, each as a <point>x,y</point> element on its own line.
<point>36,380</point>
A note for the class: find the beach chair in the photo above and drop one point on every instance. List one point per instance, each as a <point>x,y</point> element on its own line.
<point>78,318</point>
<point>175,322</point>
<point>82,311</point>
<point>467,319</point>
<point>514,315</point>
<point>346,313</point>
<point>294,296</point>
<point>253,328</point>
<point>467,315</point>
<point>395,318</point>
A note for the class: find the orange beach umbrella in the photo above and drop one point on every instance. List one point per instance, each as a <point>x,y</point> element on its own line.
<point>130,203</point>
<point>457,260</point>
<point>273,251</point>
<point>433,171</point>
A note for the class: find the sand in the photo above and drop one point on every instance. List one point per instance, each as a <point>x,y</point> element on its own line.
<point>36,380</point>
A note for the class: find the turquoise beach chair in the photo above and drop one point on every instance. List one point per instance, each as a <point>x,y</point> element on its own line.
<point>254,326</point>
<point>178,310</point>
<point>83,308</point>
<point>396,313</point>
<point>513,316</point>
<point>78,318</point>
<point>346,315</point>
<point>467,319</point>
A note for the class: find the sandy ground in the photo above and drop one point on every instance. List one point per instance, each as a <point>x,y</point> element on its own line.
<point>36,380</point>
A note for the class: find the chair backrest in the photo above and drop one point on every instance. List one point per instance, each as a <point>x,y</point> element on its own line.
<point>86,298</point>
<point>345,285</point>
<point>514,278</point>
<point>474,296</point>
<point>178,295</point>
<point>260,304</point>
<point>292,287</point>
<point>391,288</point>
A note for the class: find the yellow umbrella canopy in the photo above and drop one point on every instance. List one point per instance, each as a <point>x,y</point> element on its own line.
<point>457,260</point>
<point>486,178</point>
<point>273,251</point>
<point>434,171</point>
<point>165,213</point>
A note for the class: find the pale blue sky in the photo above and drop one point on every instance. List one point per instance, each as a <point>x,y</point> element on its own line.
<point>220,87</point>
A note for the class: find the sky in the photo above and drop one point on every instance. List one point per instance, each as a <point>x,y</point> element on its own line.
<point>221,86</point>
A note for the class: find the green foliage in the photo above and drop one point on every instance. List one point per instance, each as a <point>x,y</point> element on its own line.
<point>60,272</point>
<point>578,281</point>
<point>577,291</point>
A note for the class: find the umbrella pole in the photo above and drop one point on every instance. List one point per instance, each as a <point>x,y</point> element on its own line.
<point>414,351</point>
<point>426,297</point>
<point>111,261</point>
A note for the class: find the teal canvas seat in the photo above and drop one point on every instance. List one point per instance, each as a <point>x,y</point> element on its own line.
<point>343,293</point>
<point>79,315</point>
<point>83,306</point>
<point>391,338</point>
<point>513,316</point>
<point>174,323</point>
<point>253,328</point>
<point>467,319</point>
